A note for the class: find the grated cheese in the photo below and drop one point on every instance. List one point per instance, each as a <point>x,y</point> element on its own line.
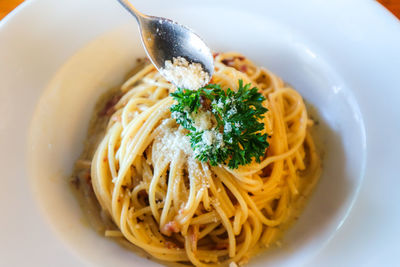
<point>184,74</point>
<point>202,120</point>
<point>207,138</point>
<point>231,112</point>
<point>172,139</point>
<point>205,122</point>
<point>227,127</point>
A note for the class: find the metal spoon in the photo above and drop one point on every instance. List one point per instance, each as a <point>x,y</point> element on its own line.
<point>164,39</point>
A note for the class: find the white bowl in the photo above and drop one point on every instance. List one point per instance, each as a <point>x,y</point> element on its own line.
<point>56,70</point>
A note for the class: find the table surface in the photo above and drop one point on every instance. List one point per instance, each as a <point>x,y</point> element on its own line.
<point>6,6</point>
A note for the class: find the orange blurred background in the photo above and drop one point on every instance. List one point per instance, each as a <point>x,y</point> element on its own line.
<point>7,5</point>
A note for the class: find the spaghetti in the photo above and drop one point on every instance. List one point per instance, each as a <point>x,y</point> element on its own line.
<point>178,209</point>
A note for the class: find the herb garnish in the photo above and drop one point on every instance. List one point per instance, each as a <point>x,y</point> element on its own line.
<point>234,135</point>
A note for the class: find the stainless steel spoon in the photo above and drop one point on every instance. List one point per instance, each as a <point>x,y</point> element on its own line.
<point>164,39</point>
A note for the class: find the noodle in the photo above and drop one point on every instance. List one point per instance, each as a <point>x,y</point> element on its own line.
<point>177,209</point>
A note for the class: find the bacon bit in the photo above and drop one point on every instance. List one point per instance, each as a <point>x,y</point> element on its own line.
<point>109,106</point>
<point>243,68</point>
<point>228,61</point>
<point>241,58</point>
<point>205,102</point>
<point>105,159</point>
<point>170,245</point>
<point>170,227</point>
<point>215,54</point>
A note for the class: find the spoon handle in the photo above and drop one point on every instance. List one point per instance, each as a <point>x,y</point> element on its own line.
<point>131,9</point>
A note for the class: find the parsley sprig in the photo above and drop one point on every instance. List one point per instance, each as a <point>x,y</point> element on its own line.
<point>236,132</point>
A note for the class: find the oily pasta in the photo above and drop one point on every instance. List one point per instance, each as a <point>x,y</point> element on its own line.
<point>161,199</point>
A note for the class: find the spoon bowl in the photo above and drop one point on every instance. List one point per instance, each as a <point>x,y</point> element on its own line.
<point>164,39</point>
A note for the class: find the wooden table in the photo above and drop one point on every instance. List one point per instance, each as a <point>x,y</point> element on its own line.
<point>7,6</point>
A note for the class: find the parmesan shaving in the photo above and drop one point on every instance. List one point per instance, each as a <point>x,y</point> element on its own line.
<point>202,120</point>
<point>184,74</point>
<point>171,140</point>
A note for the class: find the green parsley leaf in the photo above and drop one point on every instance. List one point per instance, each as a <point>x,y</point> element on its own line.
<point>235,138</point>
